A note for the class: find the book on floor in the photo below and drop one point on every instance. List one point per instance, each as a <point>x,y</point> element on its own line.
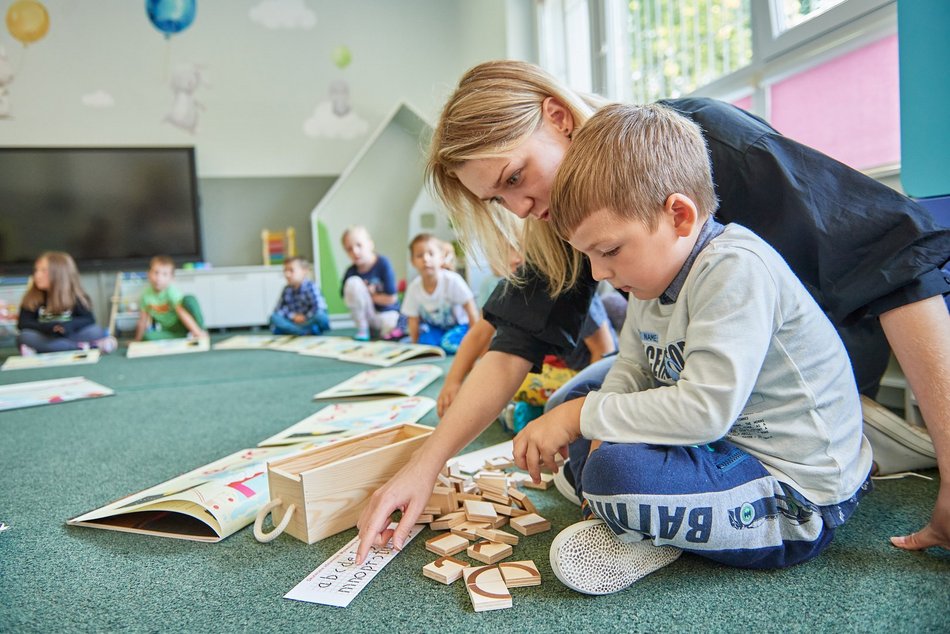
<point>344,420</point>
<point>379,353</point>
<point>402,381</point>
<point>51,359</point>
<point>206,504</point>
<point>51,392</point>
<point>161,347</point>
<point>253,342</point>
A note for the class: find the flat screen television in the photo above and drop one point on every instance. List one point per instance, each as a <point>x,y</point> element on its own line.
<point>111,208</point>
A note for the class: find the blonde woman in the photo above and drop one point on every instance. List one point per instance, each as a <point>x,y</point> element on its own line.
<point>494,154</point>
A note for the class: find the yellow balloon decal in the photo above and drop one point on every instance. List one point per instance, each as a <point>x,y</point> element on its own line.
<point>27,20</point>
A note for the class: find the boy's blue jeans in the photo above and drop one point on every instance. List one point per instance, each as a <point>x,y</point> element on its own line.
<point>715,500</point>
<point>280,325</point>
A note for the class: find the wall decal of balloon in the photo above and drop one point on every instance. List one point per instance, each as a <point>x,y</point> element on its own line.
<point>27,21</point>
<point>170,16</point>
<point>341,56</point>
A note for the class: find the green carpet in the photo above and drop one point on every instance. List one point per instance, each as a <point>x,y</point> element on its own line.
<point>172,414</point>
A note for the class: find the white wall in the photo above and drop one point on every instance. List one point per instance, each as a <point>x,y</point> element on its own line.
<point>257,167</point>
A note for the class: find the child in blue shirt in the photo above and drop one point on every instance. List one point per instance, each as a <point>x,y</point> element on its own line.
<point>302,309</point>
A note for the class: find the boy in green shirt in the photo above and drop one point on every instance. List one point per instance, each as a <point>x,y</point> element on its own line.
<point>171,314</point>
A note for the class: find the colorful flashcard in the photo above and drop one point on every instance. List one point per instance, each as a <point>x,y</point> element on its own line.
<point>252,342</point>
<point>344,420</point>
<point>333,347</point>
<point>297,344</point>
<point>51,359</point>
<point>338,580</point>
<point>161,347</point>
<point>404,381</point>
<point>32,393</point>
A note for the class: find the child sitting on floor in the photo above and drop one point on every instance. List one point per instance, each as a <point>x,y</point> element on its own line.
<point>164,312</point>
<point>730,424</point>
<point>56,313</point>
<point>302,309</point>
<point>438,304</point>
<point>369,288</point>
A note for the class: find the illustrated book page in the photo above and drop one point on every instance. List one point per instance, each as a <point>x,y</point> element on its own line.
<point>51,359</point>
<point>252,342</point>
<point>400,381</point>
<point>344,420</point>
<point>32,393</point>
<point>388,353</point>
<point>161,347</point>
<point>206,504</point>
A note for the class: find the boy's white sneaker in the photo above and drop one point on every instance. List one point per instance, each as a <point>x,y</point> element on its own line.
<point>564,485</point>
<point>589,558</point>
<point>898,446</point>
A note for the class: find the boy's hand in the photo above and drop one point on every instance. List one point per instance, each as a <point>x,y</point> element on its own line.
<point>297,318</point>
<point>547,435</point>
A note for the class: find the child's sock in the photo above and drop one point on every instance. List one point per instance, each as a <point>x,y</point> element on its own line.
<point>27,351</point>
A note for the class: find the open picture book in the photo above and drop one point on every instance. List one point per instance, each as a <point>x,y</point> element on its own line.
<point>206,504</point>
<point>402,381</point>
<point>380,353</point>
<point>344,420</point>
<point>161,347</point>
<point>51,392</point>
<point>253,342</point>
<point>51,359</point>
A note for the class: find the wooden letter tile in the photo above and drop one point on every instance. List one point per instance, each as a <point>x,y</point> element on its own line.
<point>530,524</point>
<point>520,574</point>
<point>447,544</point>
<point>486,588</point>
<point>495,535</point>
<point>480,511</point>
<point>489,552</point>
<point>445,569</point>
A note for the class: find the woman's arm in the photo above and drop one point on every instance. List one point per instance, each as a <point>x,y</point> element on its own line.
<point>473,346</point>
<point>491,385</point>
<point>919,334</point>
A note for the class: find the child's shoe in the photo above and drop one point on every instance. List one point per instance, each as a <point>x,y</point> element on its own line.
<point>362,335</point>
<point>589,558</point>
<point>27,351</point>
<point>394,335</point>
<point>564,483</point>
<point>106,344</point>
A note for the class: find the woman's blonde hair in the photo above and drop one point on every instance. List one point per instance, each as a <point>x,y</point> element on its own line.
<point>496,107</point>
<point>65,288</point>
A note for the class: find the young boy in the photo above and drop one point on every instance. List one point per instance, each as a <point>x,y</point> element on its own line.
<point>369,287</point>
<point>302,309</point>
<point>438,304</point>
<point>171,314</point>
<point>730,423</point>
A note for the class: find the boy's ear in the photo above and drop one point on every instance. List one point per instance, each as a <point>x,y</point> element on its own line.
<point>682,211</point>
<point>558,114</point>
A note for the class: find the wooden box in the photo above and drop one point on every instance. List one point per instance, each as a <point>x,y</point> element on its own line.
<point>320,492</point>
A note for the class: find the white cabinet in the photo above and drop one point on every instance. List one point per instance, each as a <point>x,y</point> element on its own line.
<point>233,296</point>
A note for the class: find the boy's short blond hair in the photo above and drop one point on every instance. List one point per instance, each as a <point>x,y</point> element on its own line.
<point>630,159</point>
<point>355,230</point>
<point>299,261</point>
<point>162,260</point>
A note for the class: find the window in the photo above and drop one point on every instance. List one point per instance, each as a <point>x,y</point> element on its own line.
<point>822,71</point>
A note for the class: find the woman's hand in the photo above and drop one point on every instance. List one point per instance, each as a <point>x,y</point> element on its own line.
<point>546,436</point>
<point>407,491</point>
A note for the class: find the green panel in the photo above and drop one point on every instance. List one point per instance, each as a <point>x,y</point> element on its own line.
<point>329,275</point>
<point>925,96</point>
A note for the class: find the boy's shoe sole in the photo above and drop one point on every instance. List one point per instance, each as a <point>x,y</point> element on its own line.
<point>898,446</point>
<point>589,558</point>
<point>564,486</point>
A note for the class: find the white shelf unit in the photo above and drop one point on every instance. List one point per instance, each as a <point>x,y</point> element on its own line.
<point>230,297</point>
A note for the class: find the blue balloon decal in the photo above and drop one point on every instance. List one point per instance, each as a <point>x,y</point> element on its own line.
<point>170,16</point>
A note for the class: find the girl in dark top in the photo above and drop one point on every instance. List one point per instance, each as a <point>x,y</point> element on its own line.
<point>871,257</point>
<point>55,314</point>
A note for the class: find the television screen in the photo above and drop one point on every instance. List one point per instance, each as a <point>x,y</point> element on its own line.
<point>110,208</point>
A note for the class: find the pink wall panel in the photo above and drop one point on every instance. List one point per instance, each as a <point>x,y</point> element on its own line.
<point>847,107</point>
